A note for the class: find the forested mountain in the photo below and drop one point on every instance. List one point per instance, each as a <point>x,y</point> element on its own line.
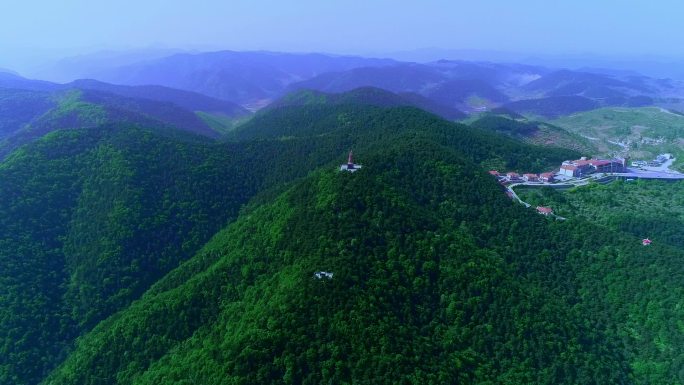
<point>367,96</point>
<point>486,148</point>
<point>135,252</point>
<point>437,278</point>
<point>191,101</point>
<point>27,114</point>
<point>31,115</point>
<point>97,215</point>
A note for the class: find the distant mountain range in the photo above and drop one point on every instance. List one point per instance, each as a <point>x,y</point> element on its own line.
<point>255,79</point>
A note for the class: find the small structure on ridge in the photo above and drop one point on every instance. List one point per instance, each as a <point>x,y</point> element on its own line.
<point>646,242</point>
<point>350,166</point>
<point>323,274</point>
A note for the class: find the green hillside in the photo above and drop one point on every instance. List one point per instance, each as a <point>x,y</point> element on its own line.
<point>643,287</point>
<point>438,278</point>
<point>541,134</point>
<point>150,256</point>
<point>93,217</point>
<point>28,115</point>
<point>96,216</point>
<point>373,123</point>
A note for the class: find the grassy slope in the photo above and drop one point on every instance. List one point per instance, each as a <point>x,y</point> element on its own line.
<point>617,124</point>
<point>532,132</point>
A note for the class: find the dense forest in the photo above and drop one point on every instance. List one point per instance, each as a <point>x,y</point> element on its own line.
<point>138,255</point>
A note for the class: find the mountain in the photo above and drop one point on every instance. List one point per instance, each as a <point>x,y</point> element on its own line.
<point>96,216</point>
<point>367,96</point>
<point>87,66</point>
<point>438,85</point>
<point>31,108</point>
<point>566,82</point>
<point>240,77</point>
<point>404,77</point>
<point>31,114</point>
<point>188,100</point>
<point>423,287</point>
<point>459,92</point>
<point>133,251</point>
<point>502,73</point>
<point>371,123</point>
<point>12,80</point>
<point>255,79</point>
<point>18,107</point>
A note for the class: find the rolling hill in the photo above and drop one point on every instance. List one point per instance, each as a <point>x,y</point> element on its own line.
<point>566,82</point>
<point>538,133</point>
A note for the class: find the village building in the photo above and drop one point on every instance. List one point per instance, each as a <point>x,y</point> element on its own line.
<point>583,166</point>
<point>494,173</point>
<point>530,177</point>
<point>350,166</point>
<point>546,177</point>
<point>544,210</point>
<point>512,176</point>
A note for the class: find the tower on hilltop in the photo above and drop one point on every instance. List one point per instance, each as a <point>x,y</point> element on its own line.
<point>350,166</point>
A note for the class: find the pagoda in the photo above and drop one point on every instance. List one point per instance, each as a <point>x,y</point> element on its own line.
<point>350,166</point>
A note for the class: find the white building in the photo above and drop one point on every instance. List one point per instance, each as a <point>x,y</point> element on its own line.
<point>350,166</point>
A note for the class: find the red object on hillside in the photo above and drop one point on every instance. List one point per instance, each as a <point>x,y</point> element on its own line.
<point>544,210</point>
<point>350,159</point>
<point>646,242</point>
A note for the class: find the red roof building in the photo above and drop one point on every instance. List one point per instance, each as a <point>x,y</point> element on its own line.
<point>494,173</point>
<point>513,175</point>
<point>530,177</point>
<point>544,210</point>
<point>546,177</point>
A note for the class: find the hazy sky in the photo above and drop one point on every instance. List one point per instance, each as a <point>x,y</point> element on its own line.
<point>34,28</point>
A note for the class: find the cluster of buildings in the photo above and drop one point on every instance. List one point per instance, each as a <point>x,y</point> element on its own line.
<point>657,162</point>
<point>583,166</point>
<point>515,177</point>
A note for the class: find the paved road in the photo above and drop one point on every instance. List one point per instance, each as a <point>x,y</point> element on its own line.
<point>517,198</point>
